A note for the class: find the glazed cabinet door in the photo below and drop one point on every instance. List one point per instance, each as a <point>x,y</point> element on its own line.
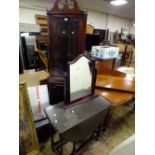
<point>65,41</point>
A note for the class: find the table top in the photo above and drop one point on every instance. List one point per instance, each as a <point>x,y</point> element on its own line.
<point>111,82</point>
<point>64,119</point>
<point>117,98</point>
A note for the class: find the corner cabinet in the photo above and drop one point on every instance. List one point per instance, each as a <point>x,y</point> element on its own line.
<point>67,31</point>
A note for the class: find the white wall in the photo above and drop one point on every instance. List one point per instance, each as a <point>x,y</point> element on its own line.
<point>116,23</point>
<point>132,27</point>
<point>98,19</point>
<point>28,15</point>
<point>104,21</point>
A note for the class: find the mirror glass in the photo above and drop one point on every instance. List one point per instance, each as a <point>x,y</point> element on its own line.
<point>80,79</point>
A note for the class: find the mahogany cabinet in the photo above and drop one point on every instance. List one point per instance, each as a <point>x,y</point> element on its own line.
<point>67,31</point>
<point>66,40</point>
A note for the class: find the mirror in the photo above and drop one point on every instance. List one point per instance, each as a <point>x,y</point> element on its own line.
<point>80,78</point>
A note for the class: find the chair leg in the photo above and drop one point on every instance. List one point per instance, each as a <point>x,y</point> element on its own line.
<point>122,59</point>
<point>130,58</point>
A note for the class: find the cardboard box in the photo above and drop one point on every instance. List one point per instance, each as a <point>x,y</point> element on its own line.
<point>105,52</point>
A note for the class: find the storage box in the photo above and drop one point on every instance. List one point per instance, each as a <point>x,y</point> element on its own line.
<point>104,52</point>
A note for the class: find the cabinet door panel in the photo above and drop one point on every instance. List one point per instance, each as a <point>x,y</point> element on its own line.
<point>65,42</point>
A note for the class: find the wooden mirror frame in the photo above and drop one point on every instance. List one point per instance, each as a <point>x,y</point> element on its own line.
<point>67,80</point>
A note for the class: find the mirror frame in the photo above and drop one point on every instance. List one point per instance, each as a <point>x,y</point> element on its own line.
<point>67,80</point>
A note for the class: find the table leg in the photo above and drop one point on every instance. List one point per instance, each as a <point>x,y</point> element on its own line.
<point>98,132</point>
<point>107,119</point>
<point>74,149</point>
<point>123,58</point>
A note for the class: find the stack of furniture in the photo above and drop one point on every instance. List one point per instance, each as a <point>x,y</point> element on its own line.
<point>41,20</point>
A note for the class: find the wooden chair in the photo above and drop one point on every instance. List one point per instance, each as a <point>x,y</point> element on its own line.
<point>129,51</point>
<point>102,69</point>
<point>122,49</point>
<point>42,58</point>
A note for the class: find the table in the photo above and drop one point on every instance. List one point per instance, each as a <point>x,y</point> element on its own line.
<point>123,84</point>
<point>118,90</point>
<point>84,117</point>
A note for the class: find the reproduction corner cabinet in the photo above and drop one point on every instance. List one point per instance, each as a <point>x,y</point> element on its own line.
<point>67,31</point>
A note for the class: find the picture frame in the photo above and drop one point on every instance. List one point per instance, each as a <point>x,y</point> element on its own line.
<point>28,140</point>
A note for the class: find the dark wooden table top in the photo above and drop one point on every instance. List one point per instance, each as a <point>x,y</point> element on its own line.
<point>64,119</point>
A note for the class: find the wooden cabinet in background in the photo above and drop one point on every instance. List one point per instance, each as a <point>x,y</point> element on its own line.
<point>106,67</point>
<point>66,40</point>
<point>67,30</point>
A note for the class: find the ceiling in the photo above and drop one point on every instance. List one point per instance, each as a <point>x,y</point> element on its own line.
<point>126,11</point>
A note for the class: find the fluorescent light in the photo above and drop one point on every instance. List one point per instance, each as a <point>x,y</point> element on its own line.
<point>118,2</point>
<point>24,34</point>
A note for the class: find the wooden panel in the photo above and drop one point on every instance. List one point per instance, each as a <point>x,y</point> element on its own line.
<point>115,83</point>
<point>115,97</point>
<point>102,66</point>
<point>66,39</point>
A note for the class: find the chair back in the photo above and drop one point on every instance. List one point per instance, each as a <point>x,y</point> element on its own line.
<point>130,48</point>
<point>122,47</point>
